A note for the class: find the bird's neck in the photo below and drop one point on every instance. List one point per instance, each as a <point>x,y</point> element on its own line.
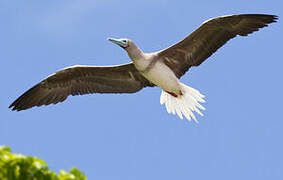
<point>135,53</point>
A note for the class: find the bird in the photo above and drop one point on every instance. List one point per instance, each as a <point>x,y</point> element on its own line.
<point>163,68</point>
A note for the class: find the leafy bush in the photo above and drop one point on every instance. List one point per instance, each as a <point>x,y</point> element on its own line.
<point>20,167</point>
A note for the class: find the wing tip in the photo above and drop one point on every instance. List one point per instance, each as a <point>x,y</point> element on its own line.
<point>268,17</point>
<point>275,18</point>
<point>16,106</point>
<point>35,97</point>
<point>14,109</point>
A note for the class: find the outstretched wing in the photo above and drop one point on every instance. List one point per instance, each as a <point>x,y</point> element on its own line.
<point>209,37</point>
<point>78,80</point>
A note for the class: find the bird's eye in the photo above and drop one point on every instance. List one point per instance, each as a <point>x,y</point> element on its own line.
<point>124,41</point>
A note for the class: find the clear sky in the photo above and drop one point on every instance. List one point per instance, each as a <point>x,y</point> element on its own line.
<point>131,136</point>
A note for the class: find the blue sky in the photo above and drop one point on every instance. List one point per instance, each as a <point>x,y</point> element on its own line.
<point>131,136</point>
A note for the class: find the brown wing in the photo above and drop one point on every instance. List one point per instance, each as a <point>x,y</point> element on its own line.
<point>78,80</point>
<point>209,37</point>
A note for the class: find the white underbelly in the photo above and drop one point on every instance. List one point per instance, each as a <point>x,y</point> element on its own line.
<point>162,76</point>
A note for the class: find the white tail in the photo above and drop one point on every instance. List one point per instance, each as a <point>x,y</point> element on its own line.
<point>184,104</point>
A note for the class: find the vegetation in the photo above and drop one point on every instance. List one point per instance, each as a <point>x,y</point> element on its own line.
<point>20,167</point>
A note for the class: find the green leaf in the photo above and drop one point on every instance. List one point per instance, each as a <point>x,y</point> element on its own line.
<point>21,167</point>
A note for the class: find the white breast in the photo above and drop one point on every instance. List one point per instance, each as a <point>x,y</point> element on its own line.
<point>162,76</point>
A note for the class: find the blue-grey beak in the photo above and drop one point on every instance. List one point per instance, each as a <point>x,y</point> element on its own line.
<point>117,41</point>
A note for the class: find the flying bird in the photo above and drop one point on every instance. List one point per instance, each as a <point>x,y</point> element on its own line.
<point>162,68</point>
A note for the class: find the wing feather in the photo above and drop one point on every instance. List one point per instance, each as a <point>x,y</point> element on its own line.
<point>79,80</point>
<point>209,37</point>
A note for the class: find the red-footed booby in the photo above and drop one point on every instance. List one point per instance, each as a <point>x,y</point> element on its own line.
<point>162,68</point>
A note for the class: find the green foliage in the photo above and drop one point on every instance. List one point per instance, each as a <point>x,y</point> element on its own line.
<point>20,167</point>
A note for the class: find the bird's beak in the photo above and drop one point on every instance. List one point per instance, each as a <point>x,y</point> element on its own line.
<point>117,41</point>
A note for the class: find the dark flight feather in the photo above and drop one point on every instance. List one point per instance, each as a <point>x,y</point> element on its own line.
<point>209,37</point>
<point>79,80</point>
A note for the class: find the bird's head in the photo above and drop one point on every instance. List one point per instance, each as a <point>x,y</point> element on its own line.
<point>124,43</point>
<point>132,49</point>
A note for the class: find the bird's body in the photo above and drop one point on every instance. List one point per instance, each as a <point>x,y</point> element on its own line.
<point>178,98</point>
<point>152,68</point>
<point>162,76</point>
<point>162,68</point>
